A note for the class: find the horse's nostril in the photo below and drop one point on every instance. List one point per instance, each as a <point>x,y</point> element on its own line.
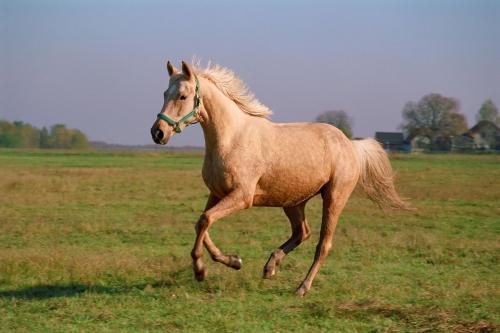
<point>159,134</point>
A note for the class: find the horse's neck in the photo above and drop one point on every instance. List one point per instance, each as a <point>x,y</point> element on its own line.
<point>221,118</point>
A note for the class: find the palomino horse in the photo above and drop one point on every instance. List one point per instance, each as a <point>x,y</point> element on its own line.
<point>251,161</point>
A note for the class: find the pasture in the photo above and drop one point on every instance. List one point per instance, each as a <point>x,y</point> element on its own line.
<point>101,240</point>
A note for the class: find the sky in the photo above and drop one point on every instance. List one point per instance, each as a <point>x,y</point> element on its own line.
<point>99,66</point>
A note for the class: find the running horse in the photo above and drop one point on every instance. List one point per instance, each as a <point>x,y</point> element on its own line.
<point>252,161</point>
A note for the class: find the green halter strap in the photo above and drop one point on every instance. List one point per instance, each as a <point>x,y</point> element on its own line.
<point>184,120</point>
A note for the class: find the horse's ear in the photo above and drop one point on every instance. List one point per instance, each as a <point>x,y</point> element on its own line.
<point>171,69</point>
<point>187,70</point>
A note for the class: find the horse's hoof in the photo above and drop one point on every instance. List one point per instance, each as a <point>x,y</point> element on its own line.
<point>201,274</point>
<point>301,291</point>
<point>269,272</point>
<point>235,262</point>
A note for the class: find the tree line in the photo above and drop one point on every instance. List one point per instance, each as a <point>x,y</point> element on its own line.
<point>19,134</point>
<point>434,117</point>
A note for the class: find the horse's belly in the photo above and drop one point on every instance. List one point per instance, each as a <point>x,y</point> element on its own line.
<point>287,191</point>
<point>266,200</point>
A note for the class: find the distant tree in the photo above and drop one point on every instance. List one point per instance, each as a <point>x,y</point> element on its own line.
<point>64,138</point>
<point>28,135</point>
<point>8,135</point>
<point>23,135</point>
<point>454,123</point>
<point>44,138</point>
<point>488,111</point>
<point>59,137</point>
<point>434,117</point>
<point>78,139</point>
<point>18,134</point>
<point>337,118</point>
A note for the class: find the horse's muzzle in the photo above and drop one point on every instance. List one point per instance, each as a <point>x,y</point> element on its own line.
<point>157,134</point>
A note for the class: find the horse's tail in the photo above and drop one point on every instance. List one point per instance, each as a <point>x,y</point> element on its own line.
<point>377,178</point>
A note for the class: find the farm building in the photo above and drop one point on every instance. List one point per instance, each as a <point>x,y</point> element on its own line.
<point>422,143</point>
<point>485,135</point>
<point>392,141</point>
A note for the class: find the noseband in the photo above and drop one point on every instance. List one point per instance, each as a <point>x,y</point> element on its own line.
<point>185,119</point>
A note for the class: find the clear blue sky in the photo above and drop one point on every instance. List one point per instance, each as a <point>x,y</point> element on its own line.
<point>100,65</point>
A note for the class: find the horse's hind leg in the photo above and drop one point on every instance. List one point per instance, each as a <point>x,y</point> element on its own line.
<point>300,232</point>
<point>334,201</point>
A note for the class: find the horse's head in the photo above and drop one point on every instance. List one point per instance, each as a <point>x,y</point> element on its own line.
<point>181,102</point>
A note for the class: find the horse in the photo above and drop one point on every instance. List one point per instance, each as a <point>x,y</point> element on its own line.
<point>252,161</point>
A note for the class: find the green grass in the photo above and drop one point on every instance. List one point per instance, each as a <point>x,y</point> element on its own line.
<point>101,241</point>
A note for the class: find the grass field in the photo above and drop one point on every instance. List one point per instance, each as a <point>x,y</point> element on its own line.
<point>100,241</point>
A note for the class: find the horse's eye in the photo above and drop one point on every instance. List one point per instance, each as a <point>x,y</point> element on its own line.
<point>182,98</point>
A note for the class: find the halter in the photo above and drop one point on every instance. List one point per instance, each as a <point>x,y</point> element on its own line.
<point>184,120</point>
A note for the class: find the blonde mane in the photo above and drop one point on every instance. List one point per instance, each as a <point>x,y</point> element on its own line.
<point>234,88</point>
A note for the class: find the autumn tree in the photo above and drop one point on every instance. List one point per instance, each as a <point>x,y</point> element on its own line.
<point>18,134</point>
<point>78,139</point>
<point>44,138</point>
<point>337,118</point>
<point>29,135</point>
<point>434,117</point>
<point>488,111</point>
<point>23,135</point>
<point>8,135</point>
<point>64,138</point>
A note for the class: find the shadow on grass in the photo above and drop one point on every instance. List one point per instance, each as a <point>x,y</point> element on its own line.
<point>46,291</point>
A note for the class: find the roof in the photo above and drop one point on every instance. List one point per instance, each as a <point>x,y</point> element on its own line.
<point>482,124</point>
<point>390,137</point>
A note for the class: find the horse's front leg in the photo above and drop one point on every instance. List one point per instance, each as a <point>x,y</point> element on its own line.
<point>237,200</point>
<point>217,255</point>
